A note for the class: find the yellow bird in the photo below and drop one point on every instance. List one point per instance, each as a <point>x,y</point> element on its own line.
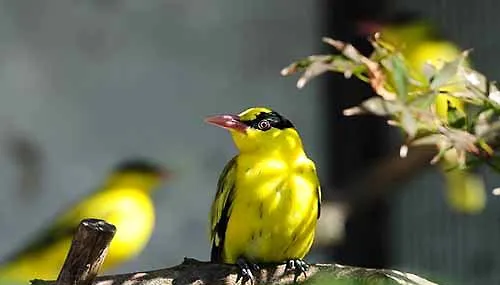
<point>419,42</point>
<point>124,201</point>
<point>268,196</point>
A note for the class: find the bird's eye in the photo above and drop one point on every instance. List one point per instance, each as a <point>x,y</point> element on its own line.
<point>264,125</point>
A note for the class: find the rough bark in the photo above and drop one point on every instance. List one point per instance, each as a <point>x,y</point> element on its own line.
<point>87,252</point>
<point>192,271</point>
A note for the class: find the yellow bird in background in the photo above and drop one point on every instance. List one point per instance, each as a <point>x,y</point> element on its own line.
<point>123,200</point>
<point>419,42</point>
<point>268,196</point>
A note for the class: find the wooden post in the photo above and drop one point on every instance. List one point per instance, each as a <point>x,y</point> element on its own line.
<point>86,255</point>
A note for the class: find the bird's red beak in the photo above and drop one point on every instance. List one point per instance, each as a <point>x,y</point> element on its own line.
<point>367,28</point>
<point>165,174</point>
<point>229,122</point>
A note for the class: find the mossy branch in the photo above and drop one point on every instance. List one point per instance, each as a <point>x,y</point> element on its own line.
<point>192,271</point>
<point>91,241</point>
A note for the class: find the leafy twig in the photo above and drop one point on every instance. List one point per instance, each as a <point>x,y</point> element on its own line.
<point>409,102</point>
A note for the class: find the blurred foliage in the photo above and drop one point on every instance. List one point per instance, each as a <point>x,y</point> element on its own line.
<point>348,281</point>
<point>472,135</point>
<point>349,275</point>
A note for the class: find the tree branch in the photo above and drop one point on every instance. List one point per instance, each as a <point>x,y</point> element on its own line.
<point>377,183</point>
<point>192,271</point>
<point>87,252</point>
<point>388,173</point>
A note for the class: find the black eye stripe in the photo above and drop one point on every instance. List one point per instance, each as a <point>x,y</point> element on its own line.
<point>275,119</point>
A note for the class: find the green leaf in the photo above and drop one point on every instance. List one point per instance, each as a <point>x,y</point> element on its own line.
<point>431,139</point>
<point>456,118</point>
<point>461,140</point>
<point>423,100</point>
<point>447,72</point>
<point>400,76</point>
<point>429,71</point>
<point>494,94</point>
<point>316,68</point>
<point>408,123</point>
<point>440,154</point>
<point>375,105</point>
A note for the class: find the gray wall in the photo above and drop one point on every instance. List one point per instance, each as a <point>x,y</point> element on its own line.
<point>94,83</point>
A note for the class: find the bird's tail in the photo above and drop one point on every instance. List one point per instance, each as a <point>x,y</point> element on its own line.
<point>8,275</point>
<point>465,191</point>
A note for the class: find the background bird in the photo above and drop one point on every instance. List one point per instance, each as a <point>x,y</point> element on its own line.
<point>268,196</point>
<point>123,200</point>
<point>420,42</point>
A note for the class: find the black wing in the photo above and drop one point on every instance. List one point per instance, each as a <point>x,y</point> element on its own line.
<point>221,209</point>
<point>64,227</point>
<point>318,191</point>
<point>44,239</point>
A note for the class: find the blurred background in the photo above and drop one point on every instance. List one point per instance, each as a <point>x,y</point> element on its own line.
<point>84,84</point>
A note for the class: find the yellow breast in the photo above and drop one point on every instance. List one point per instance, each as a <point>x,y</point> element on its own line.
<point>274,211</point>
<point>134,221</point>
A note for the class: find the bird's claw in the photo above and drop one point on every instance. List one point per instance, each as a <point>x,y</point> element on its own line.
<point>245,273</point>
<point>298,266</point>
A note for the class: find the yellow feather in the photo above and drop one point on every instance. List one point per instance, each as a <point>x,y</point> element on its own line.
<point>123,202</point>
<point>271,195</point>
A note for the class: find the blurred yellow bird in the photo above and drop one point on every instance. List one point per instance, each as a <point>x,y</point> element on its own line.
<point>123,200</point>
<point>419,42</point>
<point>268,196</point>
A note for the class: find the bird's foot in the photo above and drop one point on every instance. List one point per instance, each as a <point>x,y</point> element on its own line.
<point>246,268</point>
<point>298,266</point>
